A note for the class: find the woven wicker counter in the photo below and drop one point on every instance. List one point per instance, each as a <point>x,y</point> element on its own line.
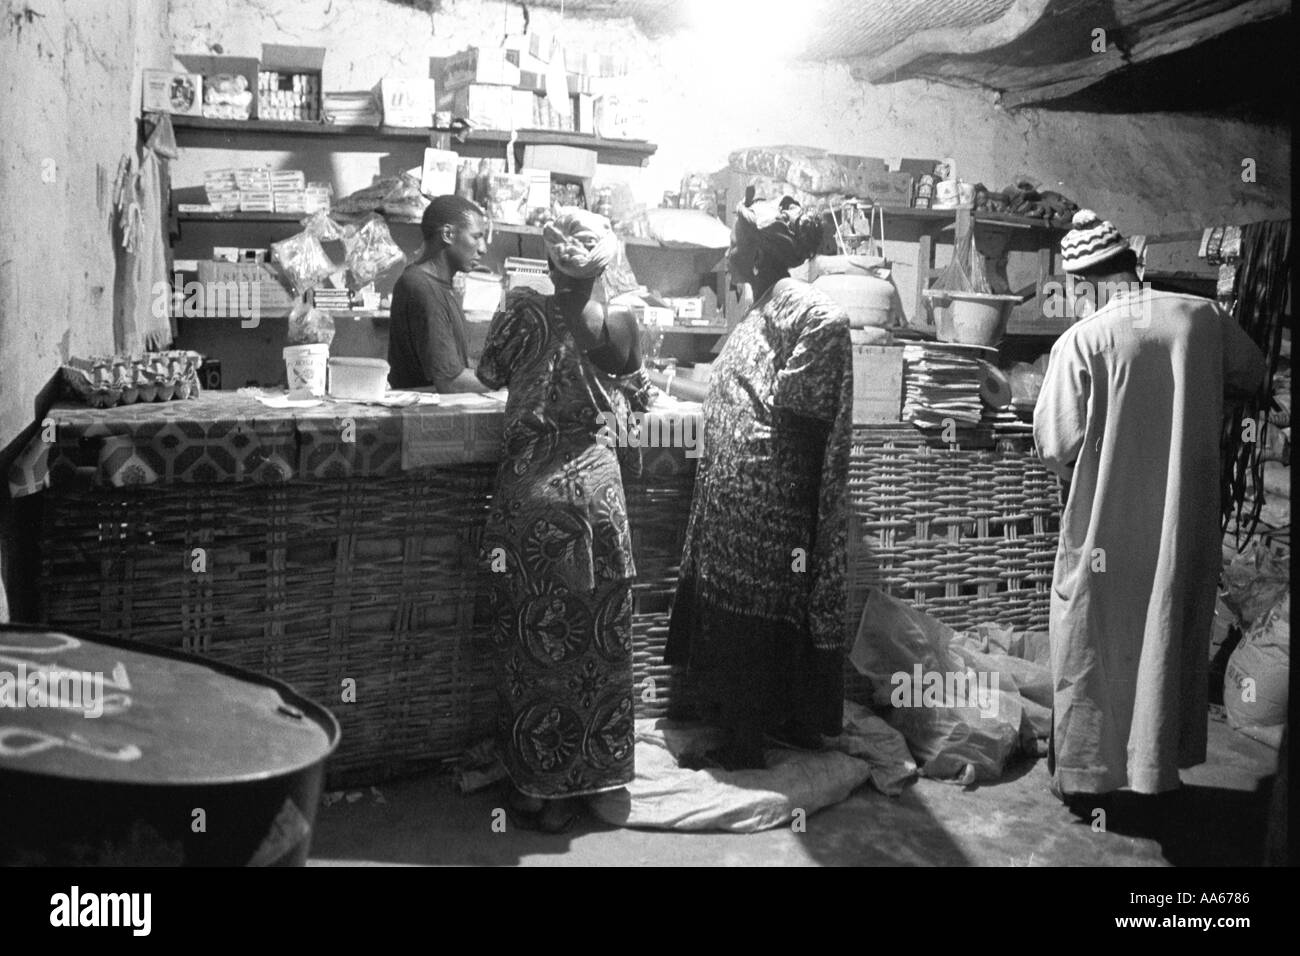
<point>264,539</point>
<point>294,543</point>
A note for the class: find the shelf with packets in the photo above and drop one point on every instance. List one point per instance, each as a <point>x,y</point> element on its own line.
<point>222,134</point>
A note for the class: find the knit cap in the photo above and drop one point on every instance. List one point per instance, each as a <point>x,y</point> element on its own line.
<point>1091,241</point>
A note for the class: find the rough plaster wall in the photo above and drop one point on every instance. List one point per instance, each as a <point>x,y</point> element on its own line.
<point>1151,173</point>
<point>69,92</point>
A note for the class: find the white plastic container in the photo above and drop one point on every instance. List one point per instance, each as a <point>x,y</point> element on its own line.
<point>358,379</point>
<point>305,366</point>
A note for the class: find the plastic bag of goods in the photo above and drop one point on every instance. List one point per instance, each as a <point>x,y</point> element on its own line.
<point>958,724</point>
<point>370,250</point>
<point>303,261</point>
<point>308,326</point>
<point>805,168</point>
<point>1255,686</point>
<point>405,200</point>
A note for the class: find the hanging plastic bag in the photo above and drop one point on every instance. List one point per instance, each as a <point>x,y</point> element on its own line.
<point>370,250</point>
<point>320,225</point>
<point>303,261</point>
<point>308,326</point>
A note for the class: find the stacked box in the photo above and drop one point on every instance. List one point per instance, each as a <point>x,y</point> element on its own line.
<point>473,66</point>
<point>317,198</point>
<point>483,106</point>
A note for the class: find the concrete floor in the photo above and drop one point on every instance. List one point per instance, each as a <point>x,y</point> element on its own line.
<point>1016,822</point>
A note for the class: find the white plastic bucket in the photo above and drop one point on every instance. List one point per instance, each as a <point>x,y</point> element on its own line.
<point>305,366</point>
<point>358,379</point>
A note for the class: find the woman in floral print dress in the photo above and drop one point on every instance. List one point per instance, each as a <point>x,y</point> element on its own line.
<point>557,537</point>
<point>759,617</point>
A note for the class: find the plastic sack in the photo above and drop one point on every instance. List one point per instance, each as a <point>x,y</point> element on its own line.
<point>370,250</point>
<point>303,261</point>
<point>687,228</point>
<point>1255,581</point>
<point>1026,382</point>
<point>1255,692</point>
<point>960,723</point>
<point>308,326</point>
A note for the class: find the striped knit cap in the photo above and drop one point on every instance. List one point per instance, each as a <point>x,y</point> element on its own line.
<point>1092,240</point>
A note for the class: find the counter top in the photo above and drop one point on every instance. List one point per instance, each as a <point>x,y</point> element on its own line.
<point>229,437</point>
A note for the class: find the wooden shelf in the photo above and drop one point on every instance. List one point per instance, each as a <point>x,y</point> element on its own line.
<point>614,152</point>
<point>505,228</point>
<point>696,329</point>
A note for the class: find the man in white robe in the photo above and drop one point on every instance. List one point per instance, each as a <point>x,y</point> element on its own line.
<point>1131,415</point>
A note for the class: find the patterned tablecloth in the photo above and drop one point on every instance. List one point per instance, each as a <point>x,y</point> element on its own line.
<point>228,437</point>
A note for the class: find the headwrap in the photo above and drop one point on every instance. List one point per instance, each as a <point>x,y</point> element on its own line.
<point>1092,240</point>
<point>579,243</point>
<point>759,225</point>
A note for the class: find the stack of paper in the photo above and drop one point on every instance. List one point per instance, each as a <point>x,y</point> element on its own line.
<point>940,384</point>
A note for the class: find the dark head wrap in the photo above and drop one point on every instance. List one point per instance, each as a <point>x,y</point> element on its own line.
<point>784,244</point>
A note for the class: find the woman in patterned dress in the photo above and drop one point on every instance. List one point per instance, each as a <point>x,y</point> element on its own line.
<point>557,538</point>
<point>759,616</point>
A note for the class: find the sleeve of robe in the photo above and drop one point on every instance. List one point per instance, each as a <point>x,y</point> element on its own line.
<point>1061,415</point>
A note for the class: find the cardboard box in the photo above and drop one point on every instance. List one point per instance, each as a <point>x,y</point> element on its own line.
<point>524,112</point>
<point>273,294</point>
<point>541,45</point>
<point>570,160</point>
<point>307,62</point>
<point>877,382</point>
<point>473,65</point>
<point>529,80</point>
<point>207,65</point>
<point>407,103</point>
<point>483,106</point>
<point>178,93</point>
<point>892,189</point>
<point>579,83</point>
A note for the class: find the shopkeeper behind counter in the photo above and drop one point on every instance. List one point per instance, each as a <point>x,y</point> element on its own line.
<point>427,341</point>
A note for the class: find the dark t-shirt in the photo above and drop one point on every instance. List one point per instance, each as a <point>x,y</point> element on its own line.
<point>426,339</point>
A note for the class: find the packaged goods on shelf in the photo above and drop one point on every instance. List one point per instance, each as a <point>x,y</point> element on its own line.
<point>524,108</point>
<point>483,106</point>
<point>584,113</point>
<point>216,72</point>
<point>291,77</point>
<point>227,96</point>
<point>439,171</point>
<point>288,179</point>
<point>473,66</point>
<point>317,197</point>
<point>508,198</point>
<point>291,200</point>
<point>167,92</point>
<point>408,102</point>
<point>570,160</point>
<point>351,108</point>
<point>539,195</point>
